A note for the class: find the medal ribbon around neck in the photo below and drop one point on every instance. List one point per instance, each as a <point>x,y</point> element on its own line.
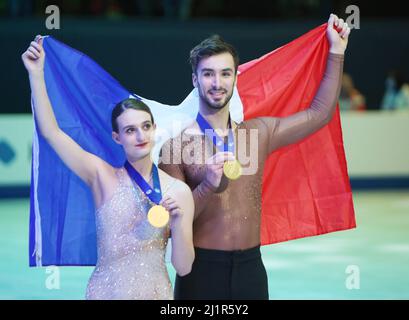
<point>231,169</point>
<point>158,216</point>
<point>217,141</point>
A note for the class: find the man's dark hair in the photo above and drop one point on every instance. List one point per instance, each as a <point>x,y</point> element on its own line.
<point>126,104</point>
<point>209,47</point>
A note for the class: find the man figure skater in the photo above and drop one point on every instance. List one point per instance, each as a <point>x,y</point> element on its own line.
<point>226,229</point>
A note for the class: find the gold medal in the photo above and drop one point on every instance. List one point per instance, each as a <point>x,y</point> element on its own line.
<point>232,169</point>
<point>158,216</point>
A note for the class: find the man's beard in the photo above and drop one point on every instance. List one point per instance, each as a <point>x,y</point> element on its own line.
<point>212,105</point>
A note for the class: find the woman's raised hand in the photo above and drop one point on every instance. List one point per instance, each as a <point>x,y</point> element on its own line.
<point>33,58</point>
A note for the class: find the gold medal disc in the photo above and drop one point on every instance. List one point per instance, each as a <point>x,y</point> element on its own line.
<point>232,169</point>
<point>158,216</point>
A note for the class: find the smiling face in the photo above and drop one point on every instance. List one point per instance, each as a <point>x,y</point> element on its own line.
<point>215,78</point>
<point>136,133</point>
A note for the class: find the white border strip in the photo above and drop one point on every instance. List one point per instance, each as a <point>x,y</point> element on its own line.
<point>38,248</point>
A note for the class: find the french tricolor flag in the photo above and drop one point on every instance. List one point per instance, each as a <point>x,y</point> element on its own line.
<point>306,189</point>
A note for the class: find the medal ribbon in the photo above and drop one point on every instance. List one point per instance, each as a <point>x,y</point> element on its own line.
<point>217,141</point>
<point>155,194</point>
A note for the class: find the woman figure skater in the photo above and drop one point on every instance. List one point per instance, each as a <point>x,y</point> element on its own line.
<point>131,251</point>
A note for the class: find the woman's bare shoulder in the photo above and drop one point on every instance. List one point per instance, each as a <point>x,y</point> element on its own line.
<point>107,172</point>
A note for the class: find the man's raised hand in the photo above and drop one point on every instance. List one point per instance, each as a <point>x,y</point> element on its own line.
<point>337,33</point>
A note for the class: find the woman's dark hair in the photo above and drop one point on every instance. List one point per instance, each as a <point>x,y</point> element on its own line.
<point>124,105</point>
<point>209,47</point>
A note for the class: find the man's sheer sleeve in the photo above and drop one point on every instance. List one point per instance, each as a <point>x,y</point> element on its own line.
<point>287,130</point>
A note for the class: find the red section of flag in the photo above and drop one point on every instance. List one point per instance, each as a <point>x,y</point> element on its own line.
<point>306,189</point>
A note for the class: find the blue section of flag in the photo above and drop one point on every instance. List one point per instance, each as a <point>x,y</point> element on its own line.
<point>62,222</point>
